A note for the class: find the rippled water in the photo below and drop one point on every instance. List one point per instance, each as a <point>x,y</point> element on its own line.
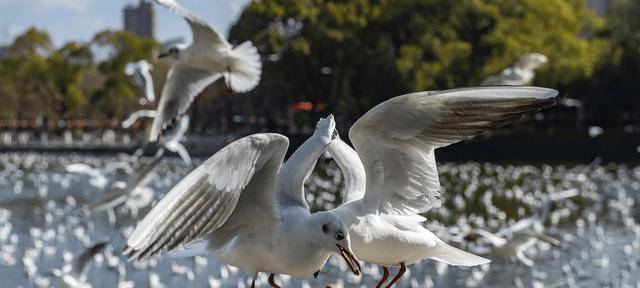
<point>598,229</point>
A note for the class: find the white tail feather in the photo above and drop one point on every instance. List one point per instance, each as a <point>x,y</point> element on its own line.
<point>453,256</point>
<point>246,68</point>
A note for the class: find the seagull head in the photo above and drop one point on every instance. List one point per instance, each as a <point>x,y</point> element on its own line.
<point>333,234</point>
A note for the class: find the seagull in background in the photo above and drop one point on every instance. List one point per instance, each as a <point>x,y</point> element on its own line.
<point>511,242</point>
<point>197,66</point>
<point>520,73</point>
<point>74,275</point>
<point>393,177</point>
<point>232,202</point>
<point>124,192</point>
<point>172,141</point>
<point>141,73</point>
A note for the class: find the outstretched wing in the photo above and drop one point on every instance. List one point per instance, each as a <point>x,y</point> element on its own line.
<point>396,139</point>
<point>202,32</point>
<point>204,199</point>
<point>183,84</point>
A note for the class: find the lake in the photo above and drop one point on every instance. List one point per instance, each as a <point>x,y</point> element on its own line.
<point>598,229</point>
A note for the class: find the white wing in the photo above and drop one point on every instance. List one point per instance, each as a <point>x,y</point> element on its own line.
<point>183,84</point>
<point>145,75</point>
<point>396,139</point>
<point>352,169</point>
<point>204,199</point>
<point>203,34</point>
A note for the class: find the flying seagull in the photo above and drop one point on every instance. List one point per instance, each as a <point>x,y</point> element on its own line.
<point>511,242</point>
<point>74,275</point>
<point>141,73</point>
<point>121,194</point>
<point>208,58</point>
<point>232,203</point>
<point>520,73</point>
<point>393,177</point>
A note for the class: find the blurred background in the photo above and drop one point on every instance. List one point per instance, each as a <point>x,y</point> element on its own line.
<point>62,68</point>
<point>64,95</point>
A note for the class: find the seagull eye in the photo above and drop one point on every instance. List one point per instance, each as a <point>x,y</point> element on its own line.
<point>325,228</point>
<point>339,236</point>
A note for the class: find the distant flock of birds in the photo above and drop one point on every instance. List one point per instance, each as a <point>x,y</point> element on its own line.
<point>248,209</point>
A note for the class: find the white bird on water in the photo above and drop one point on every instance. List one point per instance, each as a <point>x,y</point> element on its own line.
<point>520,73</point>
<point>232,203</point>
<point>141,74</point>
<point>208,58</point>
<point>393,176</point>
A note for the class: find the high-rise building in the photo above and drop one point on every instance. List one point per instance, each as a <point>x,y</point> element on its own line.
<point>141,19</point>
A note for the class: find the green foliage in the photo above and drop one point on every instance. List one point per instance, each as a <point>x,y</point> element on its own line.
<point>38,80</point>
<point>379,49</point>
<point>124,47</point>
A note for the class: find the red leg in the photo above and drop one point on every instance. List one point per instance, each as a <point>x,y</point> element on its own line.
<point>400,273</point>
<point>272,283</point>
<point>385,275</point>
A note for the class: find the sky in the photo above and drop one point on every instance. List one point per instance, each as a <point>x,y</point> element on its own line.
<point>79,20</point>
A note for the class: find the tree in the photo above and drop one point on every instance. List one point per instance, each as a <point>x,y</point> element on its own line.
<point>25,67</point>
<point>122,47</point>
<point>355,54</point>
<point>66,68</point>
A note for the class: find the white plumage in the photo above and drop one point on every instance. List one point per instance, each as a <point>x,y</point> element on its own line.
<point>231,202</point>
<point>141,72</point>
<point>394,177</point>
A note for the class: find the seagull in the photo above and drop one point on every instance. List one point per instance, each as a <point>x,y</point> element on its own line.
<point>123,192</point>
<point>173,138</point>
<point>514,246</point>
<point>393,177</point>
<point>74,275</point>
<point>232,203</point>
<point>207,59</point>
<point>141,73</point>
<point>520,73</point>
<point>511,242</point>
<point>171,141</point>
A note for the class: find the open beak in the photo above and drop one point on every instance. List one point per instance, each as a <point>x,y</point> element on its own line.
<point>350,259</point>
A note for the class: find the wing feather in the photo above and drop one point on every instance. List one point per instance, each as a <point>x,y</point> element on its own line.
<point>202,32</point>
<point>396,139</point>
<point>206,197</point>
<point>184,84</point>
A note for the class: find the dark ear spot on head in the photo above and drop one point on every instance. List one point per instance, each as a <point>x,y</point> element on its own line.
<point>325,228</point>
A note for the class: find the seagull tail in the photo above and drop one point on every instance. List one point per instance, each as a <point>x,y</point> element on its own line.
<point>453,256</point>
<point>246,68</point>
